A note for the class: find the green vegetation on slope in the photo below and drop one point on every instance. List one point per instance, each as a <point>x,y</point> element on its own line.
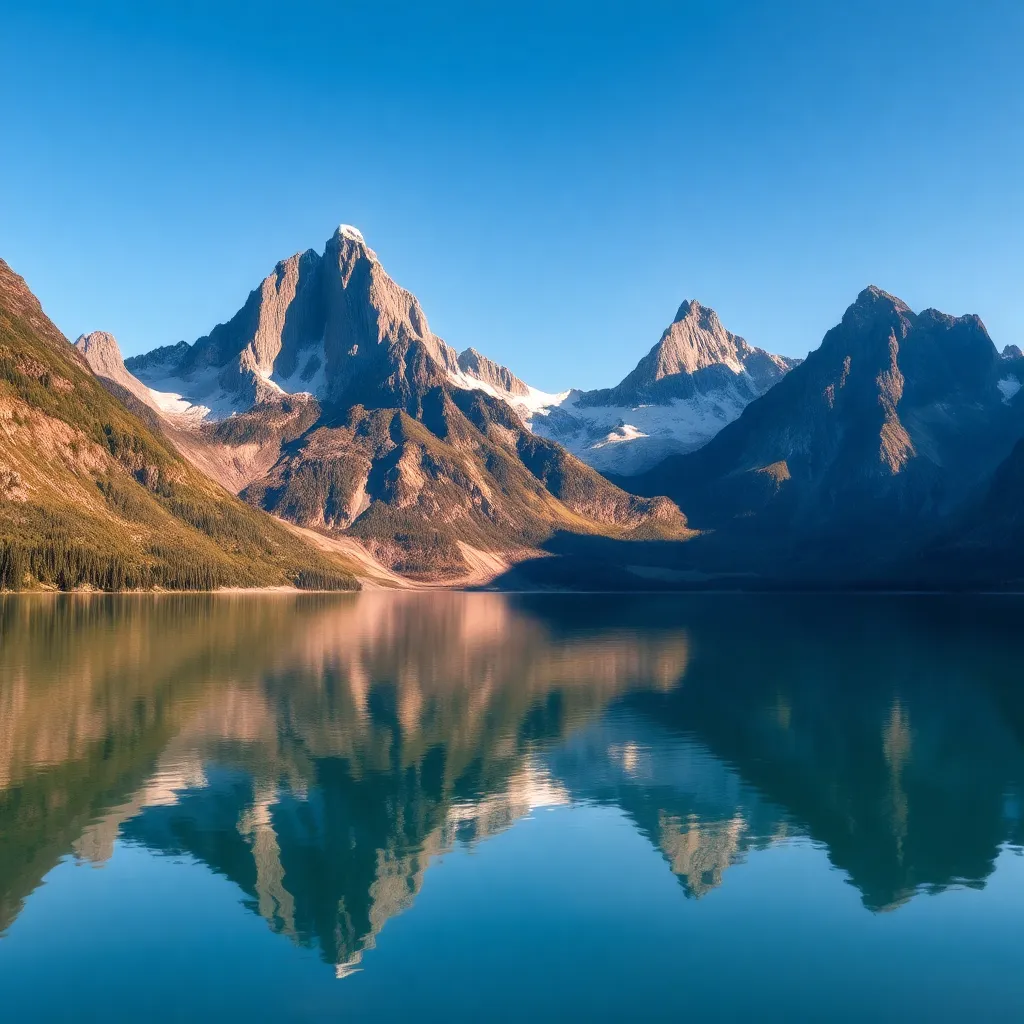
<point>91,497</point>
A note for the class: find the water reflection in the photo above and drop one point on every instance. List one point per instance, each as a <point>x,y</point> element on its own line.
<point>320,752</point>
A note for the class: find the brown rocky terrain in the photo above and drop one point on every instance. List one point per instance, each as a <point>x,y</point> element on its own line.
<point>328,401</point>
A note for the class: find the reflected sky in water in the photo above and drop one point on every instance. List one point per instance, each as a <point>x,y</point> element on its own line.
<point>433,804</point>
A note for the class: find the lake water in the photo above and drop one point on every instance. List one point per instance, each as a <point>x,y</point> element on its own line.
<point>463,807</point>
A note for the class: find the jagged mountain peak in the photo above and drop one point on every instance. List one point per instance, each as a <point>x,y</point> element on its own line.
<point>874,303</point>
<point>697,378</point>
<point>691,309</point>
<point>350,241</point>
<point>873,295</point>
<point>478,366</point>
<point>65,460</point>
<point>406,446</point>
<point>99,345</point>
<point>880,330</point>
<point>348,231</point>
<point>883,430</point>
<point>696,343</point>
<point>103,356</point>
<point>334,325</point>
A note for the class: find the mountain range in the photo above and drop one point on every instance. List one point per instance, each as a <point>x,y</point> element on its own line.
<point>328,401</point>
<point>879,450</point>
<point>890,456</point>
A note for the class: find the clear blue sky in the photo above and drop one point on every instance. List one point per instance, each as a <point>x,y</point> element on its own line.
<point>551,179</point>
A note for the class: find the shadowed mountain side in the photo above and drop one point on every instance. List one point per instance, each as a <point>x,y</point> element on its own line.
<point>862,453</point>
<point>984,543</point>
<point>705,562</point>
<point>465,472</point>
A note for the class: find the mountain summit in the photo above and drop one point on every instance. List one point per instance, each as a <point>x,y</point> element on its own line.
<point>338,328</point>
<point>696,341</point>
<point>694,381</point>
<point>334,325</point>
<point>328,401</point>
<point>883,431</point>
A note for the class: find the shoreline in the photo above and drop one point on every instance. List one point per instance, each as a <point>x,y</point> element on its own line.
<point>435,588</point>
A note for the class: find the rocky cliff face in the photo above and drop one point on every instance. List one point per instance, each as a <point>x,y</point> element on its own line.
<point>694,344</point>
<point>489,372</point>
<point>336,326</point>
<point>328,400</point>
<point>867,446</point>
<point>694,381</point>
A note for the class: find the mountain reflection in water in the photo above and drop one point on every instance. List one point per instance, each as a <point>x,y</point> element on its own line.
<point>321,752</point>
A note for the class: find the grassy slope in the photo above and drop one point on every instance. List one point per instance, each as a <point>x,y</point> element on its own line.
<point>91,496</point>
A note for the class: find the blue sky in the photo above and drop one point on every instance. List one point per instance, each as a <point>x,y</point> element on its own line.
<point>551,179</point>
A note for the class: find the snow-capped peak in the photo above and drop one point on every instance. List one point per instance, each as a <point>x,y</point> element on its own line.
<point>348,231</point>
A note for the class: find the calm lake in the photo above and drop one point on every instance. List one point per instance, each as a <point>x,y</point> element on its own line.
<point>443,806</point>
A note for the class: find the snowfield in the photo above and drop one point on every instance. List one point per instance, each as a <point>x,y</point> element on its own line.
<point>623,439</point>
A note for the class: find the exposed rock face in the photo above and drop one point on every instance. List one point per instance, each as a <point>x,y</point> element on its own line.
<point>328,400</point>
<point>103,355</point>
<point>466,472</point>
<point>984,544</point>
<point>338,327</point>
<point>335,326</point>
<point>694,381</point>
<point>379,346</point>
<point>233,451</point>
<point>490,372</point>
<point>882,432</point>
<point>694,342</point>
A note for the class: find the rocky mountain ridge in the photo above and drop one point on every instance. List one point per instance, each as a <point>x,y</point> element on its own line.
<point>328,401</point>
<point>860,454</point>
<point>695,380</point>
<point>889,455</point>
<point>336,326</point>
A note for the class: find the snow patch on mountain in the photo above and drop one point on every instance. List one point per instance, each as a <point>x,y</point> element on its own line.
<point>630,439</point>
<point>196,397</point>
<point>624,439</point>
<point>309,376</point>
<point>1008,387</point>
<point>172,404</point>
<point>536,402</point>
